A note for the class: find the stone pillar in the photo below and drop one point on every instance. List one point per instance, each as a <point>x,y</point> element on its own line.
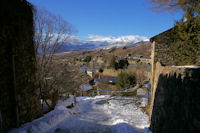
<point>19,95</point>
<point>152,74</point>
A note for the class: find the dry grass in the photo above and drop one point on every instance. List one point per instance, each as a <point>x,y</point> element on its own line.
<point>111,72</point>
<point>147,109</point>
<point>143,49</point>
<point>125,94</point>
<point>141,74</point>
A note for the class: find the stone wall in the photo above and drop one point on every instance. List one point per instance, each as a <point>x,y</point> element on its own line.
<point>162,52</point>
<point>176,100</point>
<point>19,95</point>
<point>163,49</point>
<point>175,91</point>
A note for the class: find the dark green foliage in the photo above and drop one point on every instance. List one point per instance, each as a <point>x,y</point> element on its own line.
<point>122,64</point>
<point>125,79</point>
<point>138,61</point>
<point>88,59</point>
<point>186,36</point>
<point>113,63</point>
<point>100,70</point>
<point>124,48</point>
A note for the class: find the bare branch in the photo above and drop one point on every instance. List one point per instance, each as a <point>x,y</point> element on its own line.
<point>50,32</point>
<point>168,5</point>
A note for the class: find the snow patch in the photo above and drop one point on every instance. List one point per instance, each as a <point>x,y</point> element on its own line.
<point>116,115</point>
<point>111,39</point>
<point>49,120</point>
<point>188,66</point>
<point>124,110</point>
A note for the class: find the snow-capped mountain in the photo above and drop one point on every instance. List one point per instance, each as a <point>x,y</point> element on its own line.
<point>122,39</point>
<point>101,42</point>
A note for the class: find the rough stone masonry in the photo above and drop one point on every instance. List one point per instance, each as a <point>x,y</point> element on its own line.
<point>176,101</point>
<point>19,95</point>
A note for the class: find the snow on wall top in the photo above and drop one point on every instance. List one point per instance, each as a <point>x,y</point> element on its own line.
<point>188,66</point>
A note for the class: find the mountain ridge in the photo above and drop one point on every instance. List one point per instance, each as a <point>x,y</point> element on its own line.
<point>92,45</point>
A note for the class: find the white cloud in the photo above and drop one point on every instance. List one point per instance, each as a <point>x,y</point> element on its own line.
<point>110,39</point>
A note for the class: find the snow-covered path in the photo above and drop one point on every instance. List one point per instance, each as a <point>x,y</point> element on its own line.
<point>100,114</point>
<point>89,120</point>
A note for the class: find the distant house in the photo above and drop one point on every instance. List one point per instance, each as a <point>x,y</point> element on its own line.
<point>142,59</point>
<point>90,73</point>
<point>132,61</point>
<point>145,59</point>
<point>137,56</point>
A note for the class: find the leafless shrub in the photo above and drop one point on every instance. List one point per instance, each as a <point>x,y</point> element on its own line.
<point>51,31</point>
<point>141,77</point>
<point>172,5</point>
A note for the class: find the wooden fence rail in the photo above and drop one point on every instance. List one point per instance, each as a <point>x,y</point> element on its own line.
<point>108,92</point>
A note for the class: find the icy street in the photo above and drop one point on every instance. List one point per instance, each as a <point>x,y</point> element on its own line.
<point>100,114</point>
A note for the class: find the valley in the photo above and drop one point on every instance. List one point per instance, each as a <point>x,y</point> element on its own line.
<point>93,67</point>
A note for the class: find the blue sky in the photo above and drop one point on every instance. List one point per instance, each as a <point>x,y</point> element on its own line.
<point>110,17</point>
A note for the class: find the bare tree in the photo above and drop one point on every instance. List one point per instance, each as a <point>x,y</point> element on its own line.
<point>141,77</point>
<point>51,31</point>
<point>172,5</point>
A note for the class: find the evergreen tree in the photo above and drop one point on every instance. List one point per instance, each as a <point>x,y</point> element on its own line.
<point>101,70</point>
<point>113,63</point>
<point>122,64</point>
<point>186,34</point>
<point>125,79</point>
<point>88,59</point>
<point>186,46</point>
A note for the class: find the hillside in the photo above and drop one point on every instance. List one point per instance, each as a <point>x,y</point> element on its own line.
<point>143,49</point>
